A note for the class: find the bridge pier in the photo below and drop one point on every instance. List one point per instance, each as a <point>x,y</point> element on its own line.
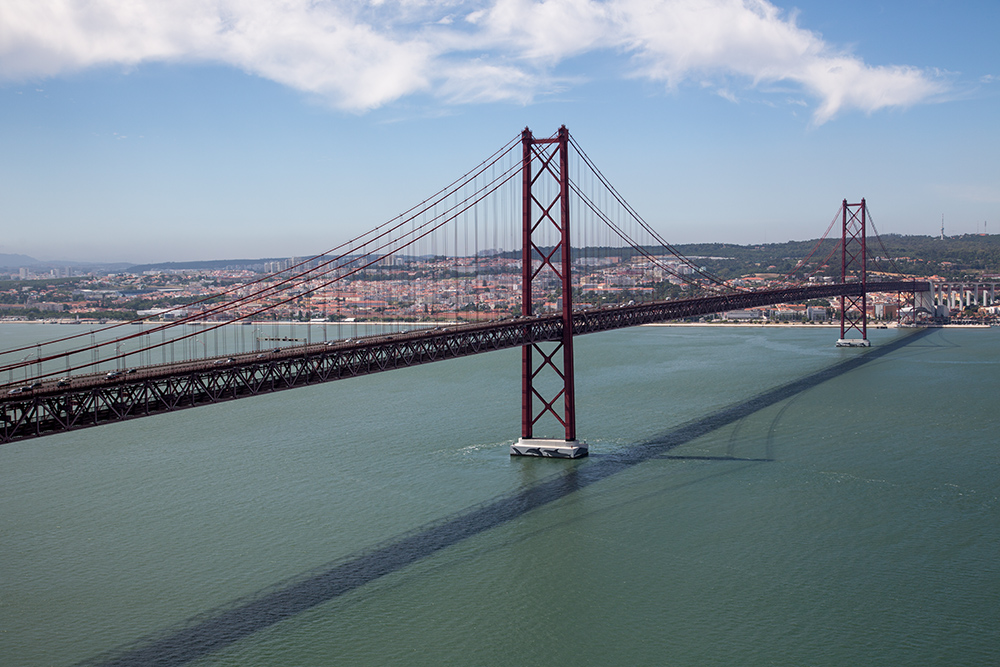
<point>923,301</point>
<point>961,295</point>
<point>549,448</point>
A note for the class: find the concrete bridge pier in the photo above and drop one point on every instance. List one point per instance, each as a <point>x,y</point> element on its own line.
<point>959,296</point>
<point>923,301</point>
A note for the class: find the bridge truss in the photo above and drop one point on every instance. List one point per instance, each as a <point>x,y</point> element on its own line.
<point>95,400</point>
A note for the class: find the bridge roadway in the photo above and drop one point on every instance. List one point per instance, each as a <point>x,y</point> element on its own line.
<point>100,398</point>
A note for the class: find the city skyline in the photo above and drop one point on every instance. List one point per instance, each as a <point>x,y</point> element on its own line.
<point>203,131</point>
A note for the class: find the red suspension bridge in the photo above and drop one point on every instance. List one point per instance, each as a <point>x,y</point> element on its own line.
<point>485,264</point>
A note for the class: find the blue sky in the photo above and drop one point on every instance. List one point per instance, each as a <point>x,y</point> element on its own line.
<point>138,130</point>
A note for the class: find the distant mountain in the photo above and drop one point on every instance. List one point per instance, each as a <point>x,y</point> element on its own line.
<point>16,261</point>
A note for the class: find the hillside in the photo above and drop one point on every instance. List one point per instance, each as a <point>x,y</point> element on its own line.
<point>966,256</point>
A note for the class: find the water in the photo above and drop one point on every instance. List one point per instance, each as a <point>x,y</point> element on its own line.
<point>849,518</point>
<point>143,346</point>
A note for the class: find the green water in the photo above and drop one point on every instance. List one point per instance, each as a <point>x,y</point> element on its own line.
<point>853,521</point>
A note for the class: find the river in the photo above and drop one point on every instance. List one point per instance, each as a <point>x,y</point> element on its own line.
<point>754,496</point>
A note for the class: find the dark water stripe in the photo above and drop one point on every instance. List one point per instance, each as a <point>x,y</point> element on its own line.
<point>213,631</point>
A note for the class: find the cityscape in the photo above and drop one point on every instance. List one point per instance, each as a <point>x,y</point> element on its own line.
<point>412,290</point>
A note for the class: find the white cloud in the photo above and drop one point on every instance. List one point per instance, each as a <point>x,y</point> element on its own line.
<point>727,95</point>
<point>479,81</point>
<point>671,40</point>
<point>359,55</point>
<point>313,47</point>
<point>548,31</point>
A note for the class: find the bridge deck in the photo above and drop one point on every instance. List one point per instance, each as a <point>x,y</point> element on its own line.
<point>99,398</point>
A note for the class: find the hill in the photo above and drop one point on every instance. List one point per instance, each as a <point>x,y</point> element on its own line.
<point>16,261</point>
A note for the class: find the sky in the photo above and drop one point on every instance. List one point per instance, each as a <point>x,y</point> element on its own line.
<point>147,131</point>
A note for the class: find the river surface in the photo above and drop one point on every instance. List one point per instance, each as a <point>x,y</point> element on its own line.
<point>754,496</point>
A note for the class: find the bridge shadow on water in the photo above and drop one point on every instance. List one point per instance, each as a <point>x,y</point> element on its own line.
<point>667,457</point>
<point>215,630</point>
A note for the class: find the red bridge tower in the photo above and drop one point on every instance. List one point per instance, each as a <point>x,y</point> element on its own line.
<point>853,266</point>
<point>545,215</point>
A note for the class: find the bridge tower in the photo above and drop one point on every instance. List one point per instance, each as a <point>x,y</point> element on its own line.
<point>545,214</point>
<point>853,265</point>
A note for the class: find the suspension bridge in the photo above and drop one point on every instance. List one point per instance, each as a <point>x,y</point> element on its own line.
<point>487,263</point>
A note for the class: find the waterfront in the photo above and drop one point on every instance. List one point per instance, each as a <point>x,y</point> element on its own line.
<point>851,520</point>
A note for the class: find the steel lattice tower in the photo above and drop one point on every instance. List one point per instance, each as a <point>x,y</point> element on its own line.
<point>547,159</point>
<point>853,265</point>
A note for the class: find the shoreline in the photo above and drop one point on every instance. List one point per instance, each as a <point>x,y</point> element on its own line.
<point>828,325</point>
<point>253,323</point>
<point>816,326</point>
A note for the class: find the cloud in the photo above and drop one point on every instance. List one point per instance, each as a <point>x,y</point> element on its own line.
<point>672,40</point>
<point>727,95</point>
<point>359,55</point>
<point>547,31</point>
<point>313,47</point>
<point>480,81</point>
